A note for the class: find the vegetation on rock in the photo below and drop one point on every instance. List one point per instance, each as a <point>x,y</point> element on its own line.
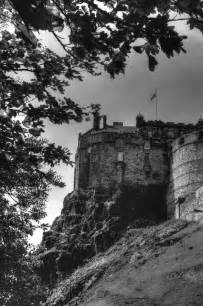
<point>136,248</point>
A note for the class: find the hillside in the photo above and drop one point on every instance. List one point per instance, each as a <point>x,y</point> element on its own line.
<point>154,265</point>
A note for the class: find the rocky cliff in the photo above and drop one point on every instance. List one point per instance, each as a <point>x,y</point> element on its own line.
<point>155,265</point>
<point>91,222</point>
<point>105,250</point>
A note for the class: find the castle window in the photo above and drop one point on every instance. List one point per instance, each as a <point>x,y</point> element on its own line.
<point>147,145</point>
<point>89,150</point>
<point>181,141</point>
<point>120,156</point>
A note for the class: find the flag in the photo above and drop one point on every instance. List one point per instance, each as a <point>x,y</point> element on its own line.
<point>154,95</point>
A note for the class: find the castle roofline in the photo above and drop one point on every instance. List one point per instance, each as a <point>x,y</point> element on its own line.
<point>159,123</point>
<point>114,129</point>
<point>100,125</point>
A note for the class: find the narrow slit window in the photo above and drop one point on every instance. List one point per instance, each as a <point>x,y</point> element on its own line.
<point>120,156</point>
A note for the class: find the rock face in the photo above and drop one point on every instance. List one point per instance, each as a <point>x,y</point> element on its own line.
<point>90,223</point>
<point>154,265</point>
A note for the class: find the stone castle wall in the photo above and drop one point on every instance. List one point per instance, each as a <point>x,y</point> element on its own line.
<point>150,153</point>
<point>186,174</point>
<point>107,160</point>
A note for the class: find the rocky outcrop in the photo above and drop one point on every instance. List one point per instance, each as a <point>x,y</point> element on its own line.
<point>84,228</point>
<point>89,224</point>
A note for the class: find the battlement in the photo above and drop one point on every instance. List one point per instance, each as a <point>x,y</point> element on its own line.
<point>168,125</point>
<point>161,127</point>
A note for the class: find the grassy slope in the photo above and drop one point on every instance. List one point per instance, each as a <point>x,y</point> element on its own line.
<point>157,265</point>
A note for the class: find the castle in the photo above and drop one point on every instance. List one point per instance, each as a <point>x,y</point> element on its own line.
<point>152,153</point>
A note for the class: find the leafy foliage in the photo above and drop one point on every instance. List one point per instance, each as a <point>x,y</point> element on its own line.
<point>32,84</point>
<point>19,282</point>
<point>106,32</point>
<point>25,105</point>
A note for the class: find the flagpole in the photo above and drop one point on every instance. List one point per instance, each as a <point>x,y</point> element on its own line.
<point>156,107</point>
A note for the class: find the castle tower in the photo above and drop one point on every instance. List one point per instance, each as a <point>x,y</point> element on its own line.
<point>152,153</point>
<point>113,155</point>
<point>186,176</point>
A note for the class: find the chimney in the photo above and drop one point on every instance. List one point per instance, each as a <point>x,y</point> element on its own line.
<point>96,123</point>
<point>117,124</point>
<point>104,121</point>
<point>140,120</point>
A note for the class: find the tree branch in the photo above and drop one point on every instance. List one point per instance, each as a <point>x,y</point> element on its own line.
<point>178,19</point>
<point>64,46</point>
<point>22,69</point>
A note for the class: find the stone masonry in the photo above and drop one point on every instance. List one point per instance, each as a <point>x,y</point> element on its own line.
<point>151,153</point>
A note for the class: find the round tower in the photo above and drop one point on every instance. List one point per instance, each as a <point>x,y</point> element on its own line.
<point>186,175</point>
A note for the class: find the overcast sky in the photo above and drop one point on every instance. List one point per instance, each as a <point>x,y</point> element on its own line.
<point>180,91</point>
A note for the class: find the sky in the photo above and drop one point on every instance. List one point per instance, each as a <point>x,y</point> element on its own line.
<point>179,83</point>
